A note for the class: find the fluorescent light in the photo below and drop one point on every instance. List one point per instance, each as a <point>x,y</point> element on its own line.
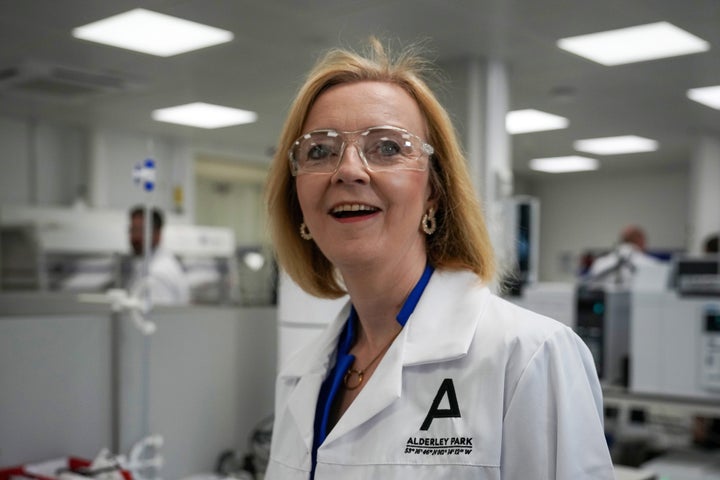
<point>204,115</point>
<point>151,32</point>
<point>634,44</point>
<point>529,120</point>
<point>572,163</point>
<point>616,145</point>
<point>709,96</point>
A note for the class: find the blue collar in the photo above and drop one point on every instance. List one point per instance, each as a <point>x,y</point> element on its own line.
<point>347,337</point>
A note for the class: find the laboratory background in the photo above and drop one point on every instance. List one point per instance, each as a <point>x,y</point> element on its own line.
<point>94,378</point>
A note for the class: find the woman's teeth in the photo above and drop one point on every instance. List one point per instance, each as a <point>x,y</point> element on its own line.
<point>354,209</point>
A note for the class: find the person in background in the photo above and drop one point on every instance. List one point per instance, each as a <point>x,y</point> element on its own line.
<point>166,280</point>
<point>711,244</point>
<point>619,266</point>
<point>425,373</point>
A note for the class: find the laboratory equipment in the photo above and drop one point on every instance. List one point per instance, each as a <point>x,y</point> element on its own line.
<point>207,255</point>
<point>685,465</point>
<point>675,335</point>
<point>554,300</point>
<point>602,320</point>
<point>66,250</point>
<point>20,263</point>
<point>257,275</point>
<point>710,348</point>
<point>522,225</point>
<point>60,249</point>
<point>675,345</point>
<point>697,276</point>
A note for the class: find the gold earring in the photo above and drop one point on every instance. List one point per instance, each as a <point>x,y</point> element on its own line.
<point>428,223</point>
<point>305,232</point>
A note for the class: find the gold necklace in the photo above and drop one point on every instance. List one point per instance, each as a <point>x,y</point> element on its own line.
<point>352,372</point>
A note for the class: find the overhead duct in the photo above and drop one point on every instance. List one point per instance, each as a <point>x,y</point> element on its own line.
<point>59,82</point>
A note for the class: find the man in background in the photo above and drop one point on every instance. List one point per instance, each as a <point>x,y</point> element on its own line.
<point>619,266</point>
<point>711,244</point>
<point>166,279</point>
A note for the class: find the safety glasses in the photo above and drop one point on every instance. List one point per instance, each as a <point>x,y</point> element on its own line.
<point>383,148</point>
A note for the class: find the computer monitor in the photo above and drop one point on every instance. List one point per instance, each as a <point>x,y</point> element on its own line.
<point>697,275</point>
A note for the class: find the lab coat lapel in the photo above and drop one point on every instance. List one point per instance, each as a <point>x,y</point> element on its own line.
<point>309,369</point>
<point>305,395</point>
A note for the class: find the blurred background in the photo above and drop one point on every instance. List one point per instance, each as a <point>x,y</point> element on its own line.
<point>77,116</point>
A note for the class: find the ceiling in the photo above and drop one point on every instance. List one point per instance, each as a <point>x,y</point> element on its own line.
<point>276,42</point>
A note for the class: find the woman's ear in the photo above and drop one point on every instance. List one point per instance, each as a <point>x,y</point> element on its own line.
<point>431,203</point>
<point>431,197</point>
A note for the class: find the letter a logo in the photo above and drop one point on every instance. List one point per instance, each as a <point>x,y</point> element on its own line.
<point>446,388</point>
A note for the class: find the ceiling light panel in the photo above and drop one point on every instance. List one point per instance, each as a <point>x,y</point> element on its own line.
<point>567,164</point>
<point>709,96</point>
<point>634,44</point>
<point>204,115</point>
<point>529,120</point>
<point>616,145</point>
<point>152,33</point>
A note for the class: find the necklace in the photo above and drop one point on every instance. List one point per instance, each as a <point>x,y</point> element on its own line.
<point>353,373</point>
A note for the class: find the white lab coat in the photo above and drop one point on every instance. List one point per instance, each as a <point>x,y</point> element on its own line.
<point>167,281</point>
<point>619,266</point>
<point>529,404</point>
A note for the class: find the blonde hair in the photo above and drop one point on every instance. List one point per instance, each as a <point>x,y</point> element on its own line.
<point>461,240</point>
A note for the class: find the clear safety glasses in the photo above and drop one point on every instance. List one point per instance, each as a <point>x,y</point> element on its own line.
<point>381,149</point>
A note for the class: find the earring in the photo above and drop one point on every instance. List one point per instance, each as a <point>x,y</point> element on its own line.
<point>305,232</point>
<point>428,222</point>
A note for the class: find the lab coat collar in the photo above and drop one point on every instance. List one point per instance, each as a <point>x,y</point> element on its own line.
<point>320,358</point>
<point>427,336</point>
<point>445,319</point>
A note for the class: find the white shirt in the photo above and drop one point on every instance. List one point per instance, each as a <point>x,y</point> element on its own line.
<point>474,387</point>
<point>167,281</point>
<point>619,266</point>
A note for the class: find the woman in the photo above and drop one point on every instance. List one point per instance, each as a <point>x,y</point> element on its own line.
<point>425,373</point>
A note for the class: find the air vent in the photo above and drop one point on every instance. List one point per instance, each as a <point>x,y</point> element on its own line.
<point>60,82</point>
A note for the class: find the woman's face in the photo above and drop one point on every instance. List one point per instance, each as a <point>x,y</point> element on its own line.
<point>359,218</point>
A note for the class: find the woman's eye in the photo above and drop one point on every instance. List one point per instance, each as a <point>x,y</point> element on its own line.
<point>388,148</point>
<point>318,152</point>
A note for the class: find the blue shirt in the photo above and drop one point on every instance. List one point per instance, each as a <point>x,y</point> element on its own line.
<point>333,382</point>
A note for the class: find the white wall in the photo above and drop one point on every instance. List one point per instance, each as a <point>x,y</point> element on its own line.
<point>581,211</point>
<point>14,161</point>
<point>112,157</point>
<point>41,163</point>
<point>230,194</point>
<point>64,161</point>
<point>47,164</point>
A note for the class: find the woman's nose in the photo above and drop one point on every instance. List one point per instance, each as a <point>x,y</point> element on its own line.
<point>351,167</point>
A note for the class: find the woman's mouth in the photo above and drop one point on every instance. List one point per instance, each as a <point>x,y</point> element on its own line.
<point>353,210</point>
